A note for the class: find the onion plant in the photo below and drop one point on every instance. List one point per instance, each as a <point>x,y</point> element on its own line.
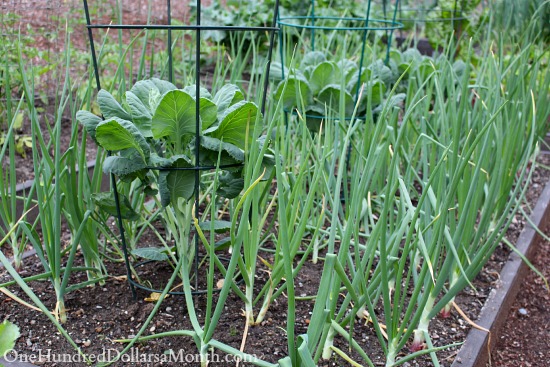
<point>444,206</point>
<point>53,188</point>
<point>8,180</point>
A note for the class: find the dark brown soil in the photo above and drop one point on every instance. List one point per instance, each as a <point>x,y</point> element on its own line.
<point>523,342</point>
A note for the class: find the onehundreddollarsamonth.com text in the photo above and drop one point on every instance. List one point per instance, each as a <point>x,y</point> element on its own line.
<point>134,355</point>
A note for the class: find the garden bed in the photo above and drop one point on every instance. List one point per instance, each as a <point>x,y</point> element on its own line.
<point>392,239</point>
<point>100,315</point>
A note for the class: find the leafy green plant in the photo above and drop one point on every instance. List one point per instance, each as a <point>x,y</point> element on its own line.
<point>9,333</point>
<point>51,171</point>
<point>319,84</point>
<point>8,182</point>
<point>154,139</point>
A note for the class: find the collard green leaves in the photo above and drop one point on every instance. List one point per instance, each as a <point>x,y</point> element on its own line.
<point>238,124</point>
<point>141,115</point>
<point>322,86</point>
<point>9,333</point>
<point>117,134</point>
<point>89,121</point>
<point>174,117</point>
<point>110,107</point>
<point>293,92</point>
<point>180,183</point>
<point>227,96</point>
<point>105,201</point>
<point>127,168</point>
<point>323,75</point>
<point>153,132</point>
<point>151,253</point>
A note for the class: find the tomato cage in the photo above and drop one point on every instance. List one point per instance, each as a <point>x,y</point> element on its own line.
<point>340,69</point>
<point>177,174</point>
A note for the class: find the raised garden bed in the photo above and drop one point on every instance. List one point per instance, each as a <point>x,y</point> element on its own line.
<point>99,315</point>
<point>371,252</point>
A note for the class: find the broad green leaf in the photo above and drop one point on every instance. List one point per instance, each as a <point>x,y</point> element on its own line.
<point>141,115</point>
<point>380,71</point>
<point>208,112</point>
<point>89,121</point>
<point>239,119</point>
<point>293,92</point>
<point>396,56</point>
<point>158,161</point>
<point>151,253</point>
<point>308,71</point>
<point>403,67</point>
<point>268,163</point>
<point>126,168</point>
<point>163,189</point>
<point>228,95</point>
<point>230,185</point>
<point>149,191</point>
<point>216,145</point>
<point>220,226</point>
<point>223,244</point>
<point>144,89</point>
<point>411,55</point>
<point>177,183</point>
<point>163,85</point>
<point>117,134</point>
<point>314,116</point>
<point>212,149</point>
<point>276,70</point>
<point>9,333</point>
<point>174,117</point>
<point>106,202</point>
<point>192,91</point>
<point>323,75</point>
<point>238,97</point>
<point>377,90</point>
<point>425,69</point>
<point>208,109</point>
<point>312,58</point>
<point>110,108</point>
<point>347,69</point>
<point>154,100</point>
<point>330,96</point>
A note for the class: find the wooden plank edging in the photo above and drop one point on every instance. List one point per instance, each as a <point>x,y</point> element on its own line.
<point>475,350</point>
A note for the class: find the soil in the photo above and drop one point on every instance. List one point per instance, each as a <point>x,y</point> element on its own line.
<point>523,340</point>
<point>98,316</point>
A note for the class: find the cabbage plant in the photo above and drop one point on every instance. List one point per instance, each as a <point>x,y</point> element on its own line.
<point>152,138</point>
<point>319,84</point>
